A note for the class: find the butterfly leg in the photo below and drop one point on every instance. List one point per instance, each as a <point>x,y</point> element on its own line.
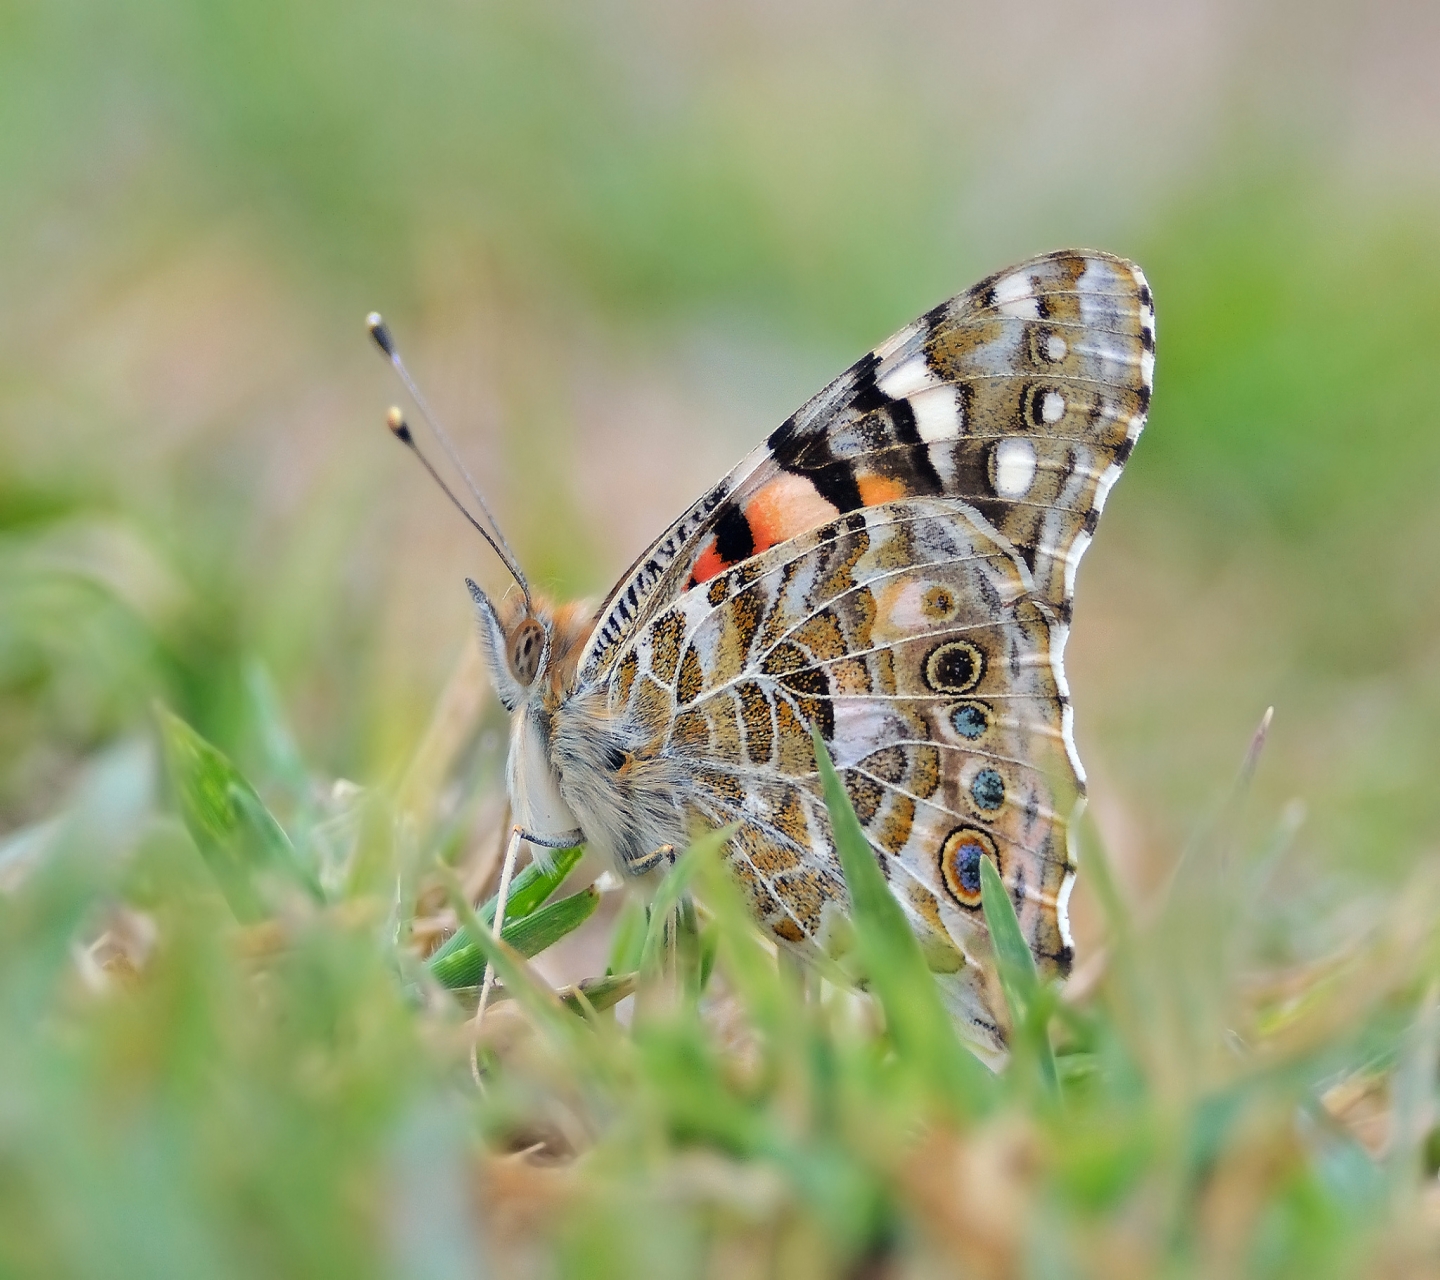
<point>502,895</point>
<point>567,840</point>
<point>648,862</point>
<point>507,869</point>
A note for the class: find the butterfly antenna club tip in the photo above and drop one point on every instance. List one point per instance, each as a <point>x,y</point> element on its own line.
<point>380,331</point>
<point>385,340</point>
<point>399,428</point>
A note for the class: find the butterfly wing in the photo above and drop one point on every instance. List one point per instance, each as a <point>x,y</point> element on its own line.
<point>1021,397</point>
<point>909,635</point>
<point>896,566</point>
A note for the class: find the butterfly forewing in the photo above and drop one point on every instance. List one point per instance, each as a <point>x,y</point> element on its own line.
<point>1022,396</point>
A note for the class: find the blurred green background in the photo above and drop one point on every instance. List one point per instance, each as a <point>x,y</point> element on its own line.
<point>619,242</point>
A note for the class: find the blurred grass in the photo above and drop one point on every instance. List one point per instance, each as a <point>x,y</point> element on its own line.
<point>289,1097</point>
<point>626,241</point>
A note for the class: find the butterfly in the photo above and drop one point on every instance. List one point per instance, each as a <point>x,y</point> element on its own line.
<point>894,566</point>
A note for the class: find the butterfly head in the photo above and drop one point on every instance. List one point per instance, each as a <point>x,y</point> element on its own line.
<point>530,645</point>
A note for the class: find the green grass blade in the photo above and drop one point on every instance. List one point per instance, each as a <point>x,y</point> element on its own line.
<point>598,993</point>
<point>534,885</point>
<point>1028,1001</point>
<point>277,743</point>
<point>627,941</point>
<point>922,1030</point>
<point>529,935</point>
<point>522,983</point>
<point>749,969</point>
<point>530,888</point>
<point>671,889</point>
<point>245,848</point>
<point>1017,966</point>
<point>541,929</point>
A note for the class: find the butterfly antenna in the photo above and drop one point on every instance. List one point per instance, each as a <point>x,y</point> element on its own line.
<point>380,332</point>
<point>400,429</point>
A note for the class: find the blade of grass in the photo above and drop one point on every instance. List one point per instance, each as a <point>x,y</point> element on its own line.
<point>748,967</point>
<point>670,890</point>
<point>1030,1003</point>
<point>244,846</point>
<point>282,757</point>
<point>530,888</point>
<point>921,1029</point>
<point>598,993</point>
<point>522,983</point>
<point>627,938</point>
<point>529,935</point>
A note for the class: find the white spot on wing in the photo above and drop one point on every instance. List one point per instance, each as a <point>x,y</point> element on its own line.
<point>1098,277</point>
<point>1052,408</point>
<point>1014,467</point>
<point>942,458</point>
<point>1147,367</point>
<point>860,727</point>
<point>1015,297</point>
<point>906,379</point>
<point>1055,347</point>
<point>937,414</point>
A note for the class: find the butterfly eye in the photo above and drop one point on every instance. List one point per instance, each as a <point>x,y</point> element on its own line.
<point>525,648</point>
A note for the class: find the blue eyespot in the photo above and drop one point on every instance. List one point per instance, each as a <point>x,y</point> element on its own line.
<point>971,719</point>
<point>967,867</point>
<point>960,864</point>
<point>988,789</point>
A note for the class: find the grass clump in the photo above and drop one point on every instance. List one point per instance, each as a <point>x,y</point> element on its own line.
<point>229,1045</point>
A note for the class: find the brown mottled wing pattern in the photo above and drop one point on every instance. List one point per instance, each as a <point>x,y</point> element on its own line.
<point>1022,397</point>
<point>909,634</point>
<point>896,566</point>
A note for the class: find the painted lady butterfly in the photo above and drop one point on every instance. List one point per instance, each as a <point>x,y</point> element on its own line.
<point>894,565</point>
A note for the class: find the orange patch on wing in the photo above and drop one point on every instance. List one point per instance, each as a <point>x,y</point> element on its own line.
<point>784,508</point>
<point>708,565</point>
<point>877,489</point>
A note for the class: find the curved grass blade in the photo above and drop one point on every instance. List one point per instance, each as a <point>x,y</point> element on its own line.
<point>245,848</point>
<point>530,888</point>
<point>1030,1003</point>
<point>670,891</point>
<point>750,970</point>
<point>597,993</point>
<point>528,989</point>
<point>895,966</point>
<point>529,935</point>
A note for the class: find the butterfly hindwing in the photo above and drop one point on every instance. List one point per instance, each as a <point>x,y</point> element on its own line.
<point>908,634</point>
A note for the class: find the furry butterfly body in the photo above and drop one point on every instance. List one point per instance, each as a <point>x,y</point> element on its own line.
<point>895,565</point>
